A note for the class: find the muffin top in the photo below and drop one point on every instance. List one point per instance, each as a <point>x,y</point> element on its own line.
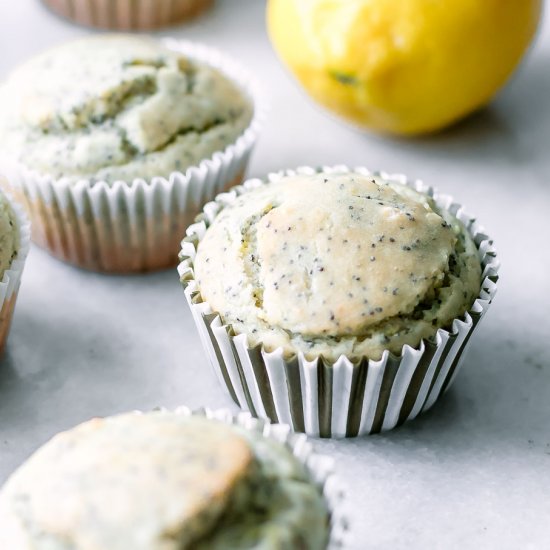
<point>161,481</point>
<point>118,107</point>
<point>9,234</point>
<point>337,264</point>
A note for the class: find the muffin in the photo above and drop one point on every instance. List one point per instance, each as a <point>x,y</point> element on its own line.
<point>167,480</point>
<point>128,15</point>
<point>116,141</point>
<point>343,315</point>
<point>14,247</point>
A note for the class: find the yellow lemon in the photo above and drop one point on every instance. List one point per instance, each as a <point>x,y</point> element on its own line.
<point>402,66</point>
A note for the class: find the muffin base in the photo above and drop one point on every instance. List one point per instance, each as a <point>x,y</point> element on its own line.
<point>112,240</point>
<point>128,14</point>
<point>6,315</point>
<point>350,396</point>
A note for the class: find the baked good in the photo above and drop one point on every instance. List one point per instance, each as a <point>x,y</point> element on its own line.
<point>124,15</point>
<point>161,481</point>
<point>337,264</point>
<point>9,234</point>
<point>338,301</point>
<point>114,142</point>
<point>14,247</point>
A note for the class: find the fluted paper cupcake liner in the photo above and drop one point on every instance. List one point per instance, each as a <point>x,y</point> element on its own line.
<point>134,226</point>
<point>9,286</point>
<point>128,14</point>
<point>319,467</point>
<point>348,397</point>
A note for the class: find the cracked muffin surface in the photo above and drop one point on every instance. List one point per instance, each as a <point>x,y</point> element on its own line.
<point>161,481</point>
<point>332,264</point>
<point>118,107</point>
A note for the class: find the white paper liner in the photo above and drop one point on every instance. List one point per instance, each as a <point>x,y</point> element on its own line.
<point>134,226</point>
<point>319,467</point>
<point>9,286</point>
<point>345,398</point>
<point>128,14</point>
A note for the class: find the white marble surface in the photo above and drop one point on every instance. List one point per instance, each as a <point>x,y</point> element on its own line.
<point>472,473</point>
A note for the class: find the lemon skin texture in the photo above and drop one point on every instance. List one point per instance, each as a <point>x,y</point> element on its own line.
<point>402,67</point>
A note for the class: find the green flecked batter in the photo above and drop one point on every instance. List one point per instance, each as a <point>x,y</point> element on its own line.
<point>9,235</point>
<point>278,507</point>
<point>118,107</point>
<point>162,481</point>
<point>337,264</point>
